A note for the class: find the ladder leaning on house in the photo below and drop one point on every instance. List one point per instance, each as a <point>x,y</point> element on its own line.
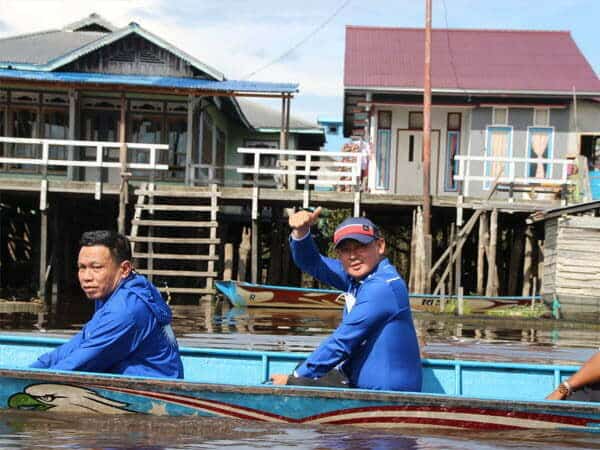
<point>174,238</point>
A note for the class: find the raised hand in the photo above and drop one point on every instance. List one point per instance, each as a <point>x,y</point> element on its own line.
<point>301,221</point>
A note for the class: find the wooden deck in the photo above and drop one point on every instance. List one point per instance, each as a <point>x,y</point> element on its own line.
<point>237,195</point>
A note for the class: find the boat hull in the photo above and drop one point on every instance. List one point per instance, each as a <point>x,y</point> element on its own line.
<point>234,384</point>
<point>92,394</point>
<point>243,294</point>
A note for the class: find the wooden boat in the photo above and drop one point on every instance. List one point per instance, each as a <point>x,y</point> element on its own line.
<point>243,294</point>
<point>231,384</point>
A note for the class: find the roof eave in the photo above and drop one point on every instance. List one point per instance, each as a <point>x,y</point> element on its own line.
<point>454,91</point>
<point>112,37</point>
<point>292,130</point>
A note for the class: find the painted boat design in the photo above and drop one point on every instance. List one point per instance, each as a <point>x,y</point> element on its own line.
<point>231,384</point>
<point>243,294</point>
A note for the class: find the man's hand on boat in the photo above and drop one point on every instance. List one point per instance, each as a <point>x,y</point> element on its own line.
<point>302,220</point>
<point>279,378</point>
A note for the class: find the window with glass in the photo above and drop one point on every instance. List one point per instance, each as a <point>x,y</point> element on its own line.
<point>500,116</point>
<point>415,120</point>
<point>541,117</point>
<point>177,134</point>
<point>383,149</point>
<point>265,160</point>
<point>144,130</point>
<point>25,125</point>
<point>220,156</point>
<point>498,146</point>
<point>540,146</point>
<point>55,125</point>
<point>207,139</point>
<point>454,121</point>
<point>100,125</point>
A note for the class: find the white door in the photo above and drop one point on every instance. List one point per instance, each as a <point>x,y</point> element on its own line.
<point>409,162</point>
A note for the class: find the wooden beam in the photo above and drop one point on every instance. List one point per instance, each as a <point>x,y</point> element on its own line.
<point>492,278</point>
<point>528,262</point>
<point>72,172</point>
<point>481,250</point>
<point>123,191</point>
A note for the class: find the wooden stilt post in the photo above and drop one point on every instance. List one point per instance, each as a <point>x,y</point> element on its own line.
<point>492,279</point>
<point>458,280</point>
<point>72,172</point>
<point>190,170</point>
<point>450,257</point>
<point>43,224</point>
<point>540,267</point>
<point>516,254</point>
<point>413,251</point>
<point>243,254</point>
<point>55,256</point>
<point>527,261</point>
<point>124,188</point>
<point>255,254</point>
<point>276,244</point>
<point>43,253</point>
<point>482,244</point>
<point>286,263</point>
<point>228,262</point>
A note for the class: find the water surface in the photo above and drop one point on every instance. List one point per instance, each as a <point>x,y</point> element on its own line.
<point>215,324</point>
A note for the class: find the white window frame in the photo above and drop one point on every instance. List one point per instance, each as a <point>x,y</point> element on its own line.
<point>537,111</point>
<point>550,154</point>
<point>495,113</point>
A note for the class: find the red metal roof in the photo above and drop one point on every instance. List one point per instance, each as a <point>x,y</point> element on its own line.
<point>486,60</point>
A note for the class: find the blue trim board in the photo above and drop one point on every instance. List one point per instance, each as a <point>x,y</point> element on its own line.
<point>149,81</point>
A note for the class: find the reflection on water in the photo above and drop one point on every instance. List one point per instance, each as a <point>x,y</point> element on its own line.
<point>36,431</point>
<point>216,324</point>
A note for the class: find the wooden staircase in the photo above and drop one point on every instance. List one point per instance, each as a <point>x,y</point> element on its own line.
<point>174,238</point>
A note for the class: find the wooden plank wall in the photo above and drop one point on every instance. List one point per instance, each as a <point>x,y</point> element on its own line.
<point>571,264</point>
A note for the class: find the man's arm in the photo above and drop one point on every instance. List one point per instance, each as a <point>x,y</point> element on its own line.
<point>588,373</point>
<point>371,310</point>
<point>51,358</point>
<point>110,337</point>
<point>306,254</point>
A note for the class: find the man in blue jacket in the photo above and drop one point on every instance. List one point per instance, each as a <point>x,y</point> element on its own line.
<point>130,332</point>
<point>375,346</point>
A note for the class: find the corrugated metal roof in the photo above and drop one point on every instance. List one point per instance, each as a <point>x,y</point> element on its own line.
<point>53,49</point>
<point>41,48</point>
<point>92,19</point>
<point>263,117</point>
<point>472,60</point>
<point>148,81</point>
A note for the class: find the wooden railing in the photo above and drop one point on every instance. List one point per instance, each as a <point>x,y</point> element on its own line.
<point>340,171</point>
<point>514,172</point>
<point>68,146</point>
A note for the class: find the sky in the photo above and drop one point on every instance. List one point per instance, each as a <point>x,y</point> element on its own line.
<point>300,41</point>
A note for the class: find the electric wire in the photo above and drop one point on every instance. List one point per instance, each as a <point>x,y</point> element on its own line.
<point>302,41</point>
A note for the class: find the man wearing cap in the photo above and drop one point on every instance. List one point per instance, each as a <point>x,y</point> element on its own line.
<point>375,346</point>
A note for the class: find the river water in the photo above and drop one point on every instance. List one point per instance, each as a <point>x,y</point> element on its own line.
<point>215,324</point>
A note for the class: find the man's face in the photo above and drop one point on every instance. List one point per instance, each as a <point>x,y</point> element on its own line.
<point>99,273</point>
<point>360,259</point>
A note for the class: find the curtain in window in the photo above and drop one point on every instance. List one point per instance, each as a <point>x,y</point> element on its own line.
<point>453,141</point>
<point>539,145</point>
<point>382,153</point>
<point>499,149</point>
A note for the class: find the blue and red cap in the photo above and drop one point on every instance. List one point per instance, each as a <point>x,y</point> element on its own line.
<point>359,229</point>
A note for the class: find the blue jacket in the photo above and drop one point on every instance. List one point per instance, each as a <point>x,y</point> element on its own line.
<point>129,333</point>
<point>376,341</point>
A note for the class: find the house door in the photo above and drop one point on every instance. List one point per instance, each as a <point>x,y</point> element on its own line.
<point>409,162</point>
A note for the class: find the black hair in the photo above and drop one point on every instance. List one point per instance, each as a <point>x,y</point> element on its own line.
<point>118,244</point>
